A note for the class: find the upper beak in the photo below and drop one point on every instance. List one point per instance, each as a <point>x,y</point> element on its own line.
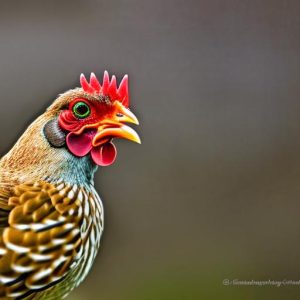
<point>128,116</point>
<point>110,128</point>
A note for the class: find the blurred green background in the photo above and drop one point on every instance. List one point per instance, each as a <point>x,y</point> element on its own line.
<point>213,191</point>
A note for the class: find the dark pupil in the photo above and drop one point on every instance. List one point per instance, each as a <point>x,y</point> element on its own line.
<point>81,109</point>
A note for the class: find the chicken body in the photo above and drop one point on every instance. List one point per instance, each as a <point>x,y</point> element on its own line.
<point>51,217</point>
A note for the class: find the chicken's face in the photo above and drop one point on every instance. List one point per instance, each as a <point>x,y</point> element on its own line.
<point>90,119</point>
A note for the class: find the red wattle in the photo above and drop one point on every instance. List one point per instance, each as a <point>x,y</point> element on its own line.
<point>105,154</point>
<point>79,145</point>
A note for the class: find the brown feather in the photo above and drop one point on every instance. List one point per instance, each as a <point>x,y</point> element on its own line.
<point>43,241</point>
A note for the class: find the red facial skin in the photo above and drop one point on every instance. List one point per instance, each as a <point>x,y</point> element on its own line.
<point>94,133</point>
<point>82,131</point>
<point>99,111</point>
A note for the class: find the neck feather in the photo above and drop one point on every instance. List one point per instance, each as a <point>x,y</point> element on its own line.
<point>33,158</point>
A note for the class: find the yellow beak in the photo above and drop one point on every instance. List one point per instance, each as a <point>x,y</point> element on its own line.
<point>115,128</point>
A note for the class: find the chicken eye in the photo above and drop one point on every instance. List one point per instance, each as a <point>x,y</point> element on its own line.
<point>81,110</point>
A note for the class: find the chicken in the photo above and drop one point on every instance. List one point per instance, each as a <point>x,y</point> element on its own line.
<point>51,217</point>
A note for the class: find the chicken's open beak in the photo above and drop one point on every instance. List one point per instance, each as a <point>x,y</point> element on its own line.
<point>115,128</point>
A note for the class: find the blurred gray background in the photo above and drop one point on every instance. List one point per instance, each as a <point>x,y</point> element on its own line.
<point>213,191</point>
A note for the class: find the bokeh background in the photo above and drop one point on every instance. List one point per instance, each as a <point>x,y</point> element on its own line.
<point>213,192</point>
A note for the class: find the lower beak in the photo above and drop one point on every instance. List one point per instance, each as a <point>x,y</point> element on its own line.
<point>107,132</point>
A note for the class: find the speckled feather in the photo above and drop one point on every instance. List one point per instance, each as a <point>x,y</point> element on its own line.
<point>49,230</point>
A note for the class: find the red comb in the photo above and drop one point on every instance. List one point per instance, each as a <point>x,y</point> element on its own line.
<point>109,87</point>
